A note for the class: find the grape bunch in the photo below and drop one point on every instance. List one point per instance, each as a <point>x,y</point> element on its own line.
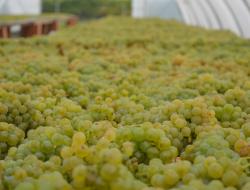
<point>125,104</point>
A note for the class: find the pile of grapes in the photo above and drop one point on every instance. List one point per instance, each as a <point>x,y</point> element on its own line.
<point>123,104</point>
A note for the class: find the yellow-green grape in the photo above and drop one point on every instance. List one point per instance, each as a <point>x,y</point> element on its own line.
<point>215,170</point>
<point>25,186</point>
<point>196,183</point>
<point>155,166</point>
<point>58,139</point>
<point>186,131</point>
<point>128,148</point>
<point>20,174</point>
<point>171,177</point>
<point>138,134</point>
<point>230,178</point>
<point>183,167</point>
<point>209,160</point>
<point>66,152</point>
<point>109,172</point>
<point>152,152</point>
<point>53,181</point>
<point>154,135</point>
<point>70,163</point>
<point>110,134</point>
<point>216,184</point>
<point>78,140</point>
<point>112,156</point>
<point>188,177</point>
<point>180,123</point>
<point>240,145</point>
<point>81,151</point>
<point>158,180</point>
<point>164,143</point>
<point>79,176</point>
<point>246,129</point>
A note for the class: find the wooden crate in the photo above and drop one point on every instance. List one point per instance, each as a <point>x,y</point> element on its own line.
<point>54,25</point>
<point>31,29</point>
<point>72,21</point>
<point>5,31</point>
<point>45,28</point>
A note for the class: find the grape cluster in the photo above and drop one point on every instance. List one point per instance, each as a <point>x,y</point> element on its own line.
<point>106,106</point>
<point>10,136</point>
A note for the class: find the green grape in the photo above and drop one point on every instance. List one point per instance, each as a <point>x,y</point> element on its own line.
<point>215,170</point>
<point>78,141</point>
<point>46,146</point>
<point>230,178</point>
<point>183,167</point>
<point>158,180</point>
<point>57,139</point>
<point>70,163</point>
<point>246,129</point>
<point>154,134</point>
<point>180,123</point>
<point>166,156</point>
<point>128,148</point>
<point>164,143</point>
<point>79,173</point>
<point>25,186</point>
<point>196,183</point>
<point>66,152</point>
<point>112,156</point>
<point>171,177</point>
<point>186,132</point>
<point>109,172</point>
<point>138,134</point>
<point>188,177</point>
<point>152,152</point>
<point>216,184</point>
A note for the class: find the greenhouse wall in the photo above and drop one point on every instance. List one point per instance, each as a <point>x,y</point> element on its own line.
<point>231,15</point>
<point>20,7</point>
<point>155,8</point>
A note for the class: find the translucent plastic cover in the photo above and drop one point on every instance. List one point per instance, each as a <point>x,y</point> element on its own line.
<point>19,7</point>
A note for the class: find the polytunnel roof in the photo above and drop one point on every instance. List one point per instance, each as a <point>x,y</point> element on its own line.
<point>232,15</point>
<point>18,7</point>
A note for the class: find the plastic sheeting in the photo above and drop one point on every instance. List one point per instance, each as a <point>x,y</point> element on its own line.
<point>248,3</point>
<point>242,19</point>
<point>150,8</point>
<point>20,7</point>
<point>231,15</point>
